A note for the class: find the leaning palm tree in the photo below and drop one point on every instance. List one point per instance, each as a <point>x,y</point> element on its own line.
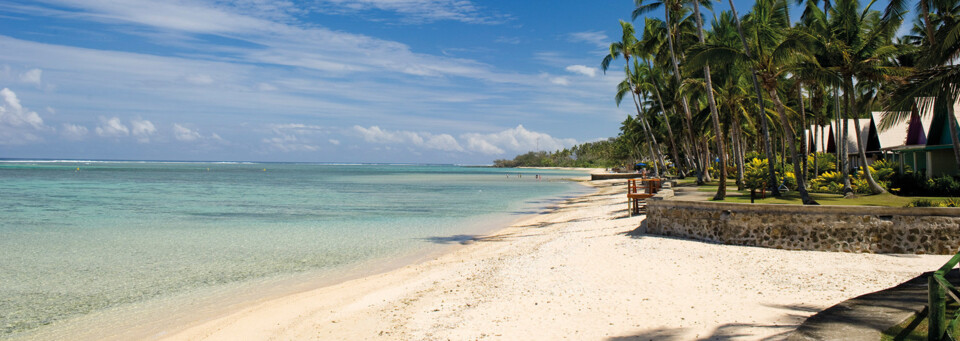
<point>712,103</point>
<point>775,55</point>
<point>627,47</point>
<point>767,148</point>
<point>630,85</point>
<point>653,40</point>
<point>673,7</point>
<point>860,48</point>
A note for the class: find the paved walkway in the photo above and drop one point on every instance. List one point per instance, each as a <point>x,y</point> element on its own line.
<point>867,316</point>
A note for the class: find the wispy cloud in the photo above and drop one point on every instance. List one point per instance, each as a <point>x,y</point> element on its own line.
<point>73,132</point>
<point>508,40</point>
<point>516,140</point>
<point>182,133</point>
<point>32,76</point>
<point>294,137</point>
<point>417,11</point>
<point>443,142</point>
<point>583,70</point>
<point>595,38</point>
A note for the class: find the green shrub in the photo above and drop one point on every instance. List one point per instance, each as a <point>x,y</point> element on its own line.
<point>883,170</point>
<point>828,182</point>
<point>923,203</point>
<point>825,163</point>
<point>755,175</point>
<point>950,202</point>
<point>790,180</point>
<point>944,186</point>
<point>909,183</point>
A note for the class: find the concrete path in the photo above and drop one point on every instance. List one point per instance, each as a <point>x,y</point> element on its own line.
<point>867,316</point>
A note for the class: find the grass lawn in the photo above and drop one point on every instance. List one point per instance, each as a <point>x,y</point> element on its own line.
<point>913,329</point>
<point>793,197</point>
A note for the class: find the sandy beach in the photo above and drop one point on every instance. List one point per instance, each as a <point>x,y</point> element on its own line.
<point>576,271</point>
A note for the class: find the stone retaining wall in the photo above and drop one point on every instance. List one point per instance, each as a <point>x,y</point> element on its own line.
<point>820,228</point>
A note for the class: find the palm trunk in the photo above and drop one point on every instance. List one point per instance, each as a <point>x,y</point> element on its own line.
<point>714,116</point>
<point>737,152</point>
<point>816,166</point>
<point>803,125</point>
<point>789,136</point>
<point>636,104</point>
<point>666,119</point>
<point>767,146</point>
<point>836,128</point>
<point>686,107</point>
<point>927,25</point>
<point>875,188</point>
<point>845,168</point>
<point>705,147</point>
<point>655,148</point>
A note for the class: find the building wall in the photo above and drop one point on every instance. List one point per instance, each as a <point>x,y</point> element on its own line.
<point>817,228</point>
<point>942,162</point>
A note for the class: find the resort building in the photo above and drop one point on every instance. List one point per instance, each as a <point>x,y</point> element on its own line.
<point>922,143</point>
<point>925,146</point>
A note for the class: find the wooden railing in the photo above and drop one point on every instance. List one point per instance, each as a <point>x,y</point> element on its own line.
<point>943,326</point>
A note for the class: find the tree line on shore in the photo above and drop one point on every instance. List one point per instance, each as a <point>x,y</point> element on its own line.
<point>707,97</point>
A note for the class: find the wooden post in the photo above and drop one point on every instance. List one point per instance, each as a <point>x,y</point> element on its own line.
<point>937,302</point>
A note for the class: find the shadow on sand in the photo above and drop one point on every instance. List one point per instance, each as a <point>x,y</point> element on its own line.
<point>729,331</point>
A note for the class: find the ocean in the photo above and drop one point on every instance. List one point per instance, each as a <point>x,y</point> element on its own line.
<point>78,238</point>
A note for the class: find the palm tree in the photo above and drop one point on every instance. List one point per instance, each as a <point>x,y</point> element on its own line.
<point>775,55</point>
<point>767,148</point>
<point>714,116</point>
<point>675,6</point>
<point>937,74</point>
<point>652,41</point>
<point>860,47</point>
<point>630,85</point>
<point>627,47</point>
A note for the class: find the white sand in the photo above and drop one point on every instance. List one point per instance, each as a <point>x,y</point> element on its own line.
<point>576,273</point>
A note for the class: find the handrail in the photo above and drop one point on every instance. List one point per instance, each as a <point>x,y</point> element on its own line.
<point>939,288</point>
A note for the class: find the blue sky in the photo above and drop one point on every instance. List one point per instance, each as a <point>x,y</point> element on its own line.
<point>434,81</point>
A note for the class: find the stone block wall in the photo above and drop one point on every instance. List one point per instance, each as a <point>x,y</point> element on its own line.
<point>818,228</point>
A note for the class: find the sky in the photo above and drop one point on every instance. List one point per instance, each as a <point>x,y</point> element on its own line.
<point>411,81</point>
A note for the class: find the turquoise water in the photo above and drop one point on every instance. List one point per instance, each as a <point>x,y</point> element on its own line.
<point>75,241</point>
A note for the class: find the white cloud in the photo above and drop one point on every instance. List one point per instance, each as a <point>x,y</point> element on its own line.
<point>266,87</point>
<point>443,142</point>
<point>112,127</point>
<point>583,70</point>
<point>508,40</point>
<point>142,129</point>
<point>560,80</point>
<point>289,143</point>
<point>518,139</point>
<point>334,142</point>
<point>73,131</point>
<point>293,137</point>
<point>475,142</point>
<point>597,38</point>
<point>200,79</point>
<point>185,134</point>
<point>18,125</point>
<point>32,76</point>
